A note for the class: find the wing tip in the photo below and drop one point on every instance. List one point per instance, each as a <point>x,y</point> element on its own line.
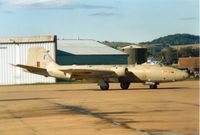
<point>13,65</point>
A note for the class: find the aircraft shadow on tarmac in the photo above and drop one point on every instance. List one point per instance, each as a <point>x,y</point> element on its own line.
<point>142,89</point>
<point>121,122</point>
<point>54,108</point>
<point>21,99</point>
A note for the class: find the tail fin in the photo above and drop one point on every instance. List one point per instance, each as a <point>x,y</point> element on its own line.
<point>39,57</point>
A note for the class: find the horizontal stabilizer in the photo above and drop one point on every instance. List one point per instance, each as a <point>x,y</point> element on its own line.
<point>32,69</point>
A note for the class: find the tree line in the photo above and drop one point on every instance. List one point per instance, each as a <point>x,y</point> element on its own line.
<point>169,55</point>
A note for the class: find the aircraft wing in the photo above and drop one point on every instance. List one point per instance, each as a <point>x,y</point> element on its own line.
<point>88,73</point>
<point>32,69</point>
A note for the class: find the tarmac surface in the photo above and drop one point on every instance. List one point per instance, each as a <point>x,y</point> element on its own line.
<point>83,109</point>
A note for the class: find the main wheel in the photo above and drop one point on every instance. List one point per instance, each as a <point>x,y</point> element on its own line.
<point>153,86</point>
<point>105,87</point>
<point>124,85</point>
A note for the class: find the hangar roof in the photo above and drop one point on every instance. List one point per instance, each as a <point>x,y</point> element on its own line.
<point>86,47</point>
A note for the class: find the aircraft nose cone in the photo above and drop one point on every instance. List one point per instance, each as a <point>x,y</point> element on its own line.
<point>181,75</point>
<point>185,75</point>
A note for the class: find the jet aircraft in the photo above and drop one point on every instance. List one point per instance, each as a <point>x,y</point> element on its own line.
<point>41,63</point>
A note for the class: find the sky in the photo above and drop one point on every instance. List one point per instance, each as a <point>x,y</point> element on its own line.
<point>112,20</point>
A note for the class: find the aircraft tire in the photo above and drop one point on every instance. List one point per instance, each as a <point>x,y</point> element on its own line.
<point>105,87</point>
<point>124,85</point>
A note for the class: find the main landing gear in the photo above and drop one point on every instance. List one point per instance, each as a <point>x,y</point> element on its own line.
<point>124,85</point>
<point>104,85</point>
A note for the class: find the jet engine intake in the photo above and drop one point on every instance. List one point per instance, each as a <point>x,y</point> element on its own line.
<point>120,71</point>
<point>68,75</point>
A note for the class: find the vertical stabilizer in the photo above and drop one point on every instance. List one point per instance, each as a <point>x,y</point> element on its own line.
<point>39,57</point>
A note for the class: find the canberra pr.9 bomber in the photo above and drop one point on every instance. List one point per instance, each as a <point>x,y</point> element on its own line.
<point>40,62</point>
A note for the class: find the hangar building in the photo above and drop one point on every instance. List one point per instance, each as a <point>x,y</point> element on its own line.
<point>137,54</point>
<point>192,63</point>
<point>91,52</point>
<point>14,50</point>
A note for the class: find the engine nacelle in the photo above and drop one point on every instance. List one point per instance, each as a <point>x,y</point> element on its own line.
<point>120,71</point>
<point>57,73</point>
<point>68,76</point>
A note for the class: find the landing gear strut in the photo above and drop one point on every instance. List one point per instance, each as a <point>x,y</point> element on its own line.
<point>104,85</point>
<point>154,86</point>
<point>124,85</point>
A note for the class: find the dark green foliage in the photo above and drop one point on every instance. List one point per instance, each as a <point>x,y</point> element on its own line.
<point>170,55</point>
<point>176,39</point>
<point>188,51</point>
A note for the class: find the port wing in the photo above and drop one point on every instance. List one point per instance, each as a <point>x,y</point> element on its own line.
<point>88,73</point>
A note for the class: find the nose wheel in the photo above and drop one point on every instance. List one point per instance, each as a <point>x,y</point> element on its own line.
<point>155,86</point>
<point>124,85</point>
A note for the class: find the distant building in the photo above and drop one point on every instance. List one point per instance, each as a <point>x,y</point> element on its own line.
<point>14,50</point>
<point>191,63</point>
<point>91,52</point>
<point>137,54</point>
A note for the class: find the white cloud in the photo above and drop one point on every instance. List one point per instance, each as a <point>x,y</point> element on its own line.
<point>51,4</point>
<point>36,3</point>
<point>104,14</point>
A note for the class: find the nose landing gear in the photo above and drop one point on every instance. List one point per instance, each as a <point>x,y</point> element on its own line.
<point>154,86</point>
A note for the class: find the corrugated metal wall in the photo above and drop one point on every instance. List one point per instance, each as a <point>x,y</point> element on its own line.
<point>7,56</point>
<point>17,54</point>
